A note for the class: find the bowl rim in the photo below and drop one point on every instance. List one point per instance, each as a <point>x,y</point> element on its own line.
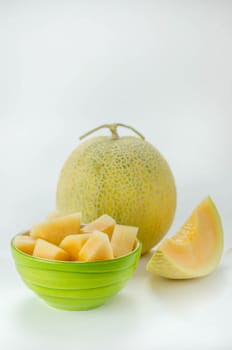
<point>67,262</point>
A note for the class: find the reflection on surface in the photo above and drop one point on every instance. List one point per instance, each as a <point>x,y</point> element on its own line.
<point>188,296</point>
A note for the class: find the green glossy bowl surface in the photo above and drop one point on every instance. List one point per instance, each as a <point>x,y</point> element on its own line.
<point>75,285</point>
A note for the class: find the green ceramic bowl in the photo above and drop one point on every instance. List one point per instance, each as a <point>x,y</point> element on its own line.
<point>75,285</point>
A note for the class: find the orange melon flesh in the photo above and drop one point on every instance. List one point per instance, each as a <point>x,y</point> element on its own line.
<point>56,229</point>
<point>47,250</point>
<point>195,250</point>
<point>123,239</point>
<point>25,243</point>
<point>73,244</point>
<point>96,248</point>
<point>104,223</point>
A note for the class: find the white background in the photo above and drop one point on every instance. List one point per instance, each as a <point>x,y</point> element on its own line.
<point>164,67</point>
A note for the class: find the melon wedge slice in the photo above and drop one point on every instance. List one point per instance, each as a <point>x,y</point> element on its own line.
<point>47,250</point>
<point>96,248</point>
<point>104,223</point>
<point>73,244</point>
<point>56,229</point>
<point>195,250</point>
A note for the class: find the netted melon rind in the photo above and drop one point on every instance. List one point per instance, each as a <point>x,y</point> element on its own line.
<point>127,179</point>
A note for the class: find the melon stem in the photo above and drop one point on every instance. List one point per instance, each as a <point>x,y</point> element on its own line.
<point>113,129</point>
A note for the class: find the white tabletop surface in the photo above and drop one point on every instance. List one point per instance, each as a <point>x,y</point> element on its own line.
<point>163,67</point>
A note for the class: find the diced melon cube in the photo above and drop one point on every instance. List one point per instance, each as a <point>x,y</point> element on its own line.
<point>73,244</point>
<point>104,223</point>
<point>123,239</point>
<point>25,243</point>
<point>55,230</point>
<point>57,214</point>
<point>53,215</point>
<point>97,247</point>
<point>47,250</point>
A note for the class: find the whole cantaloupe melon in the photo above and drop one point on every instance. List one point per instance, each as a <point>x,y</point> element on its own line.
<point>124,177</point>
